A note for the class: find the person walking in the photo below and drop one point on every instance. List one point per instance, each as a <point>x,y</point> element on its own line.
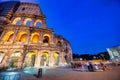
<point>88,67</point>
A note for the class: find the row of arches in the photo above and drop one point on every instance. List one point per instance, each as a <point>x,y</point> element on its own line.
<point>22,37</point>
<point>30,58</point>
<point>27,22</point>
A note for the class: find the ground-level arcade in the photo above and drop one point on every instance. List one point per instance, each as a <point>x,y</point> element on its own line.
<point>16,58</point>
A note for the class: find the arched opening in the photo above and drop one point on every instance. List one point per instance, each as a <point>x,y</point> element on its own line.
<point>0,33</point>
<point>35,38</point>
<point>2,54</point>
<point>14,59</point>
<point>28,21</point>
<point>46,38</point>
<point>23,9</point>
<point>8,36</point>
<point>59,43</point>
<point>30,59</point>
<point>44,59</point>
<point>22,37</point>
<point>56,58</point>
<point>17,21</point>
<point>38,23</point>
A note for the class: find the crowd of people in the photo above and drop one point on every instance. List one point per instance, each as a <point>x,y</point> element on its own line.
<point>90,66</point>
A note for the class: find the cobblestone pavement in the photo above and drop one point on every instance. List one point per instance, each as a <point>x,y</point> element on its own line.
<point>63,73</point>
<point>113,74</point>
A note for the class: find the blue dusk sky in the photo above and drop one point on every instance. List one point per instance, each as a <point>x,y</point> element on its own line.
<point>91,26</point>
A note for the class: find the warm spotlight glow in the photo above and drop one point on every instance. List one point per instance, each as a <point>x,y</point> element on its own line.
<point>27,21</point>
<point>35,37</point>
<point>45,56</point>
<point>38,23</point>
<point>30,59</point>
<point>56,58</point>
<point>8,36</point>
<point>1,56</point>
<point>16,21</point>
<point>22,37</point>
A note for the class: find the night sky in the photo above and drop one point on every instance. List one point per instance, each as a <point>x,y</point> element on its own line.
<point>91,26</point>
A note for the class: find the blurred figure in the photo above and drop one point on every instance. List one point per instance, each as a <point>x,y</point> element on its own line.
<point>91,67</point>
<point>104,67</point>
<point>96,67</point>
<point>87,64</point>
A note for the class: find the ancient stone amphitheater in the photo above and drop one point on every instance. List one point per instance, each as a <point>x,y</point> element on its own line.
<point>26,40</point>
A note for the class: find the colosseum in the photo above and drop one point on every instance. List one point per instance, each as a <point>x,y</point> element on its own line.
<point>26,40</point>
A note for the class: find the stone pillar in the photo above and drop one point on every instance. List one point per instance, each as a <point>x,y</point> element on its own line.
<point>51,59</point>
<point>63,61</point>
<point>41,38</point>
<point>2,35</point>
<point>5,61</point>
<point>32,24</point>
<point>15,35</point>
<point>37,60</point>
<point>28,38</point>
<point>52,41</point>
<point>44,23</point>
<point>59,59</point>
<point>12,20</point>
<point>22,21</point>
<point>20,62</point>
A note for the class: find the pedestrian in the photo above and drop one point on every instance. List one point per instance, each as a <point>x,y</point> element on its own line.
<point>91,66</point>
<point>87,64</point>
<point>96,67</point>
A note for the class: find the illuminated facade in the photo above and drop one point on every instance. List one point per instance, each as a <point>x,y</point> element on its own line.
<point>25,39</point>
<point>114,53</point>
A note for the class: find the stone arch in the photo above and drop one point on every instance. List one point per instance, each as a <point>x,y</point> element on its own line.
<point>35,37</point>
<point>27,22</point>
<point>30,59</point>
<point>2,54</point>
<point>13,60</point>
<point>46,38</point>
<point>59,43</point>
<point>68,50</point>
<point>44,59</point>
<point>17,21</point>
<point>8,36</point>
<point>22,36</point>
<point>56,56</point>
<point>38,23</point>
